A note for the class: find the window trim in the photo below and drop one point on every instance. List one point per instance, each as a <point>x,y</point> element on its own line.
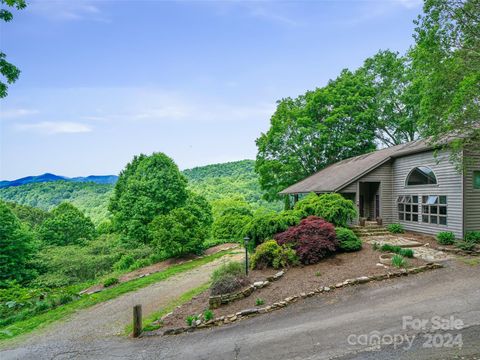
<point>402,200</point>
<point>437,214</point>
<point>406,185</point>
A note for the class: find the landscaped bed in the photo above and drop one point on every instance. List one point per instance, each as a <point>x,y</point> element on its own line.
<point>297,280</point>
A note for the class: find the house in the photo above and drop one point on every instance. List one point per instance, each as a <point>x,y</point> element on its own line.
<point>412,184</point>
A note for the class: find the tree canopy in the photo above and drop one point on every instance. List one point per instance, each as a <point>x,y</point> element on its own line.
<point>184,229</point>
<point>66,226</point>
<point>315,130</point>
<point>148,186</point>
<point>16,247</point>
<point>9,71</point>
<point>446,65</point>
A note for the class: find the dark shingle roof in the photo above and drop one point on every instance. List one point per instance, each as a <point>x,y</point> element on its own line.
<point>338,175</point>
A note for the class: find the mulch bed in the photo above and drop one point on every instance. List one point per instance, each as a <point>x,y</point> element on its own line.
<point>295,281</point>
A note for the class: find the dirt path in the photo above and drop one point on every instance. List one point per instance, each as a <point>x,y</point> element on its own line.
<point>109,318</point>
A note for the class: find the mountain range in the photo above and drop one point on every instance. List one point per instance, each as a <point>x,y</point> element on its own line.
<point>48,177</point>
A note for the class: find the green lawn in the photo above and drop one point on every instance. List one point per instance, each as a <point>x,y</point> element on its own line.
<point>41,320</point>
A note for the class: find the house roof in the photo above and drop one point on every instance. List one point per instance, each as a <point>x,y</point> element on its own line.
<point>336,176</point>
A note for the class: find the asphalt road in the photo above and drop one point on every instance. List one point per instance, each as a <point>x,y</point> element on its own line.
<point>322,327</point>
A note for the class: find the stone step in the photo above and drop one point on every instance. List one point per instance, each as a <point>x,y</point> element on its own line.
<point>362,231</point>
<point>375,234</point>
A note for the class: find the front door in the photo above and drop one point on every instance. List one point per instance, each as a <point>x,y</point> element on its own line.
<point>377,206</point>
<point>362,206</point>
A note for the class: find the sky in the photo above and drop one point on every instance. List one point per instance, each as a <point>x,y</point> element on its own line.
<point>103,81</point>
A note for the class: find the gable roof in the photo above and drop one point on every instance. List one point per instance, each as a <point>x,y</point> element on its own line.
<point>336,176</point>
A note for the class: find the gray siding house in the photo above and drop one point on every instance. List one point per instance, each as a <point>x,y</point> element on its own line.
<point>411,184</point>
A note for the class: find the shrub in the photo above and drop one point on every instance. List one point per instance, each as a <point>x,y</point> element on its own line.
<point>446,238</point>
<point>397,250</point>
<point>395,228</point>
<point>313,239</point>
<point>271,254</point>
<point>465,245</point>
<point>406,253</point>
<point>265,224</point>
<point>259,302</point>
<point>473,237</point>
<point>228,284</point>
<point>399,261</point>
<point>124,263</point>
<point>347,240</point>
<point>228,278</point>
<point>232,268</point>
<point>285,258</point>
<point>110,282</point>
<point>332,207</point>
<point>191,319</point>
<point>208,315</point>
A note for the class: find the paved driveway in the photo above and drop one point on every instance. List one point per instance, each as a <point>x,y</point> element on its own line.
<point>317,328</point>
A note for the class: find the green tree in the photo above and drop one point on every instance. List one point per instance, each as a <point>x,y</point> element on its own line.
<point>29,215</point>
<point>231,215</point>
<point>16,247</point>
<point>396,102</point>
<point>183,230</point>
<point>446,63</point>
<point>315,130</point>
<point>9,71</point>
<point>67,226</point>
<point>148,186</point>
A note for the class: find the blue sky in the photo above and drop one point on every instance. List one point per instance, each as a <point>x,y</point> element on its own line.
<point>104,80</point>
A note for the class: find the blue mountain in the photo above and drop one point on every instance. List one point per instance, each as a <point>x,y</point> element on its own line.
<point>47,177</point>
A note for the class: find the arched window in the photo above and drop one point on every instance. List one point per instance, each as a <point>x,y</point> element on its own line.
<point>421,175</point>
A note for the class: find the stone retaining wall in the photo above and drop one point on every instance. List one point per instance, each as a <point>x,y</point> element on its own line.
<point>291,299</point>
<point>218,300</point>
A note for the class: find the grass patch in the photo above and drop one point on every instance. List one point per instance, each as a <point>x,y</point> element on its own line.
<point>471,262</point>
<point>41,320</point>
<point>150,319</point>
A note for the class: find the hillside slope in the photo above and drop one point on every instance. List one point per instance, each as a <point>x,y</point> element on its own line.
<point>89,197</point>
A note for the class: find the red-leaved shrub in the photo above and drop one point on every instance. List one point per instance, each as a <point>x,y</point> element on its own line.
<point>313,239</point>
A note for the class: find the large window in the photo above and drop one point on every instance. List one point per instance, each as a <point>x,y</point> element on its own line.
<point>421,175</point>
<point>434,209</point>
<point>408,208</point>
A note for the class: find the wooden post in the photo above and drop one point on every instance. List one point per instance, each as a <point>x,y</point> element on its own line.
<point>137,320</point>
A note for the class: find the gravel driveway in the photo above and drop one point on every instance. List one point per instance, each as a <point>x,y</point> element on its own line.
<point>108,319</point>
<point>317,328</point>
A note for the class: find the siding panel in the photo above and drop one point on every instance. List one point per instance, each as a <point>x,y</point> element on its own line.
<point>450,183</point>
<point>472,195</point>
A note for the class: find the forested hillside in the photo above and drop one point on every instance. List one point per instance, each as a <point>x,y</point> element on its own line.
<point>232,179</point>
<point>89,197</point>
<point>214,182</point>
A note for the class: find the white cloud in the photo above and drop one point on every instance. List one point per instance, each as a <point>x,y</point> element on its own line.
<point>270,15</point>
<point>16,113</point>
<point>51,127</point>
<point>410,4</point>
<point>67,10</point>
